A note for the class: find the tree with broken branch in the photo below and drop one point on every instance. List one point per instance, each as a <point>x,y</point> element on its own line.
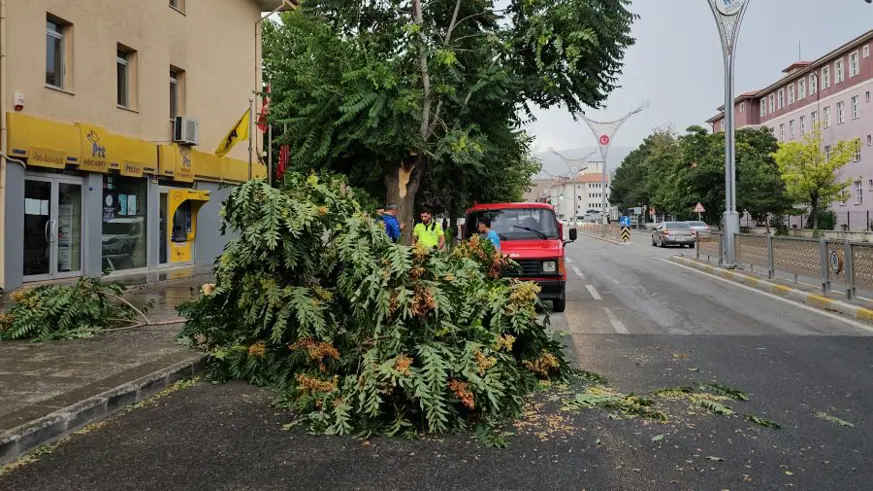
<point>386,91</point>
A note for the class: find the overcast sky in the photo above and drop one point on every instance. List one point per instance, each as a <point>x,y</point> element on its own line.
<point>676,63</point>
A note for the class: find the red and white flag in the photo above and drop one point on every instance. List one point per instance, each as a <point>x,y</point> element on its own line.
<point>284,157</point>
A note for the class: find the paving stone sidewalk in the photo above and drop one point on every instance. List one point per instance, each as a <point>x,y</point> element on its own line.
<point>49,389</point>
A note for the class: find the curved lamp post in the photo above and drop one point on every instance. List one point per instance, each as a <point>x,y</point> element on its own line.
<point>728,17</point>
<point>575,170</point>
<point>605,131</point>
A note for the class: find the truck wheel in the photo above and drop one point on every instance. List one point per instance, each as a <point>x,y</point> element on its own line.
<point>559,305</point>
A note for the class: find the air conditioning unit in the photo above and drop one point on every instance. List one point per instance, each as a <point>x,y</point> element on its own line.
<point>186,131</point>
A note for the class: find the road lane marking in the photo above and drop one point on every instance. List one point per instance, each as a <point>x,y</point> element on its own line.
<point>616,324</point>
<point>578,272</point>
<point>803,306</point>
<point>593,292</point>
<point>610,279</point>
<point>568,260</point>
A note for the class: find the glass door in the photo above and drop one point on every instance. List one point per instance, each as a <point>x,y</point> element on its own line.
<point>53,208</point>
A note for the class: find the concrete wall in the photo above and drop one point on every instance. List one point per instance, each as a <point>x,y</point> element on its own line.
<point>210,243</point>
<point>13,247</point>
<point>213,42</point>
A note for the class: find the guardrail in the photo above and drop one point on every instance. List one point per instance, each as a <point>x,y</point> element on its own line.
<point>613,230</point>
<point>848,264</point>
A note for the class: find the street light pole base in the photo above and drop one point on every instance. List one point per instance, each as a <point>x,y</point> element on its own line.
<point>731,229</point>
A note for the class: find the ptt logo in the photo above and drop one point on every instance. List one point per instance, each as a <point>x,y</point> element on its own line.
<point>97,150</point>
<point>186,160</point>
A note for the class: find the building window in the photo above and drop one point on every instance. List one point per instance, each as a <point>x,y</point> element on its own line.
<point>856,107</point>
<point>869,140</point>
<point>827,153</point>
<point>857,156</point>
<point>827,117</point>
<point>763,107</point>
<point>801,89</point>
<point>772,103</point>
<point>177,92</point>
<point>826,77</point>
<point>782,132</point>
<point>722,125</point>
<point>839,75</point>
<point>813,84</point>
<point>802,125</point>
<point>743,107</point>
<point>813,119</point>
<point>57,34</point>
<point>122,63</point>
<point>791,129</point>
<point>866,51</point>
<point>859,193</point>
<point>841,112</point>
<point>781,95</point>
<point>791,94</point>
<point>854,67</point>
<point>124,222</point>
<point>868,96</point>
<point>178,5</point>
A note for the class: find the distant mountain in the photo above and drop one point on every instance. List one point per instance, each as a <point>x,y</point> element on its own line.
<point>552,164</point>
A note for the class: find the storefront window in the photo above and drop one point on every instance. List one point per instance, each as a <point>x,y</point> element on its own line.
<point>124,222</point>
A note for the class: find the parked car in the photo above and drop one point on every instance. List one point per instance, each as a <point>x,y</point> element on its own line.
<point>702,229</point>
<point>532,237</point>
<point>673,233</point>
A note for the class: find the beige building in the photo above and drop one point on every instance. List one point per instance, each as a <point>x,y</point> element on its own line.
<point>112,112</point>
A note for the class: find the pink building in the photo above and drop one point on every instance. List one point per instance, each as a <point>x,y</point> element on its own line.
<point>834,91</point>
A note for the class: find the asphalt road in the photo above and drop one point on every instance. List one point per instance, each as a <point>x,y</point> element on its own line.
<point>640,321</point>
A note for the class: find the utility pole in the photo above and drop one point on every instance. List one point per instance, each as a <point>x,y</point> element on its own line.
<point>605,131</point>
<point>728,17</point>
<point>575,171</point>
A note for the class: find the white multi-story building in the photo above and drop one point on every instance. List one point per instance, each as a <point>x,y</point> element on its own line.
<point>589,191</point>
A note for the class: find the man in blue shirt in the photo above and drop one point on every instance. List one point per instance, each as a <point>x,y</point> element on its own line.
<point>392,226</point>
<point>485,229</point>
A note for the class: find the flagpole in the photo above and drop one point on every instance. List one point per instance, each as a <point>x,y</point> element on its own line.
<point>251,132</point>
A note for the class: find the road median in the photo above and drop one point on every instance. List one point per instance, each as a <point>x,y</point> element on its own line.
<point>811,299</point>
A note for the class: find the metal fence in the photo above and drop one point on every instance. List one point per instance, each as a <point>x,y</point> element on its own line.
<point>843,264</point>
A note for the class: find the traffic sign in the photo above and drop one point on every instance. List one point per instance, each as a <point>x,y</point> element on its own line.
<point>625,234</point>
<point>604,139</point>
<point>638,210</point>
<point>625,221</point>
<point>699,208</point>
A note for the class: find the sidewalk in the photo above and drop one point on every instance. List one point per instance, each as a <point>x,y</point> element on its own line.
<point>50,389</point>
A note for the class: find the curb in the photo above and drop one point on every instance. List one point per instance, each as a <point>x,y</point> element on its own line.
<point>605,239</point>
<point>811,299</point>
<point>20,440</point>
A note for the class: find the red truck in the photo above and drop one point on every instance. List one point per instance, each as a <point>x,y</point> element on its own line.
<point>531,236</point>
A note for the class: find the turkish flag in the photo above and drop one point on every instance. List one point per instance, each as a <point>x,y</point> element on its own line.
<point>284,157</point>
<point>265,109</point>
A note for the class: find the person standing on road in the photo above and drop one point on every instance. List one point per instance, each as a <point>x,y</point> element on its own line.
<point>485,229</point>
<point>429,232</point>
<point>392,226</point>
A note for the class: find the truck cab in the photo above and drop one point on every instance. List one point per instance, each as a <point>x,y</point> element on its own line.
<point>532,236</point>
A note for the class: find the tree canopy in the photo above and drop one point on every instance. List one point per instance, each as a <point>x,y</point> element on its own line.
<point>395,93</point>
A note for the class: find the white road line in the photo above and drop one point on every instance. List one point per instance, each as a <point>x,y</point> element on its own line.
<point>610,279</point>
<point>851,322</point>
<point>593,292</point>
<point>568,260</point>
<point>578,272</point>
<point>616,324</point>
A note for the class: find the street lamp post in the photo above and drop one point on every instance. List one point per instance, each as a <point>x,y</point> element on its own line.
<point>728,17</point>
<point>605,131</point>
<point>575,171</point>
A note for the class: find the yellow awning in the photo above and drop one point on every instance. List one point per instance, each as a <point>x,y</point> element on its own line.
<point>175,161</point>
<point>42,142</point>
<point>133,157</point>
<point>97,146</point>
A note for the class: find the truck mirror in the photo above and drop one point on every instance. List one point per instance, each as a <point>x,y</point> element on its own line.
<point>573,234</point>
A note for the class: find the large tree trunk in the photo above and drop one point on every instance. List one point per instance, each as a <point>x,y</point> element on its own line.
<point>401,185</point>
<point>814,205</point>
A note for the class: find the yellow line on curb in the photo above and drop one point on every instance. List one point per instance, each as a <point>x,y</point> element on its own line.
<point>819,301</point>
<point>864,314</point>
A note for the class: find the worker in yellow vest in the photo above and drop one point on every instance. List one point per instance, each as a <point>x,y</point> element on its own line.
<point>429,232</point>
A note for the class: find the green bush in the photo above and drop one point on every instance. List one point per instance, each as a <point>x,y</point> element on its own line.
<point>360,335</point>
<point>64,311</point>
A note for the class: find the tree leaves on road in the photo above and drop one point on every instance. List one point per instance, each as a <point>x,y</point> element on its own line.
<point>766,423</point>
<point>833,419</point>
<point>658,438</point>
<point>724,391</point>
<point>713,406</point>
<point>715,459</point>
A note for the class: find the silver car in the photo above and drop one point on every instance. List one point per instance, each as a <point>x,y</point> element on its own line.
<point>702,229</point>
<point>673,233</point>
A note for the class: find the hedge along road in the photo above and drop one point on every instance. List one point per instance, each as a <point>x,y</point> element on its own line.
<point>806,372</point>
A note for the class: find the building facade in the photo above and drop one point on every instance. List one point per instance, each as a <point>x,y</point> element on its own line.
<point>833,92</point>
<point>111,112</point>
<point>589,190</point>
